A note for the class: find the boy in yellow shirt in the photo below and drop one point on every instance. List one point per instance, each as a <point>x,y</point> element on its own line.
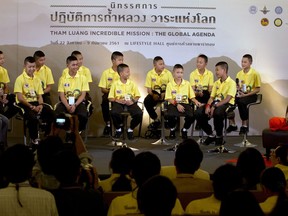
<point>124,94</point>
<point>178,93</point>
<point>44,73</point>
<point>222,95</point>
<point>7,99</point>
<point>107,78</point>
<point>156,82</point>
<point>29,93</point>
<point>72,88</point>
<point>248,83</point>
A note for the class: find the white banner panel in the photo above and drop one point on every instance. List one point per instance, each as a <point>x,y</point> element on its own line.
<point>176,30</point>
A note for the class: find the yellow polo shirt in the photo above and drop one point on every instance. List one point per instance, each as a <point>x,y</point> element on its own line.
<point>108,77</point>
<point>209,205</point>
<point>30,87</point>
<point>4,77</point>
<point>268,205</point>
<point>183,91</point>
<point>82,70</point>
<point>153,79</point>
<point>251,79</point>
<point>220,90</point>
<point>127,204</point>
<point>201,81</point>
<point>45,75</point>
<point>119,90</point>
<point>73,86</point>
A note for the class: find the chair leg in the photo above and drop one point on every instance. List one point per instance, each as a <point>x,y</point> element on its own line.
<point>162,140</point>
<point>245,142</point>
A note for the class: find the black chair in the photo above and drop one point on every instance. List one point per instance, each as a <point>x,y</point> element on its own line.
<point>245,142</point>
<point>125,115</point>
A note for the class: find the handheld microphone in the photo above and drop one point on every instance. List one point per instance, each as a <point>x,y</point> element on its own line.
<point>237,82</point>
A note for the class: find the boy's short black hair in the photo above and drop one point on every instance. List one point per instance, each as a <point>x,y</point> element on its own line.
<point>70,59</point>
<point>29,59</point>
<point>156,59</point>
<point>116,54</point>
<point>204,57</point>
<point>177,66</point>
<point>121,67</point>
<point>249,57</point>
<point>75,53</point>
<point>38,54</point>
<point>223,65</point>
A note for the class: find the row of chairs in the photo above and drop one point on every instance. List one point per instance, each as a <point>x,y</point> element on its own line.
<point>163,141</point>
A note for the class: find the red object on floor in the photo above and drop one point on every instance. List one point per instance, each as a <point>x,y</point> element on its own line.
<point>267,162</point>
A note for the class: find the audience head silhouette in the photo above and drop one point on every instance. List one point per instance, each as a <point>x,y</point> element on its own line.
<point>157,196</point>
<point>188,157</point>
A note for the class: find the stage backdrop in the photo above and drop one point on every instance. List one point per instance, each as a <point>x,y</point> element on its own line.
<point>176,30</point>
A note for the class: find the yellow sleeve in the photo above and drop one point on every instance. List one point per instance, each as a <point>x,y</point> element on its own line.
<point>65,71</point>
<point>232,89</point>
<point>211,79</point>
<point>192,80</point>
<point>88,75</point>
<point>191,93</point>
<point>148,80</point>
<point>136,92</point>
<point>112,91</point>
<point>168,94</point>
<point>85,84</point>
<point>50,79</point>
<point>103,80</point>
<point>18,86</point>
<point>5,77</point>
<point>61,85</point>
<point>213,93</point>
<point>257,80</point>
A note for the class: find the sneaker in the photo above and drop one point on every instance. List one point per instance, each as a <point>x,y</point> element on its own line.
<point>231,128</point>
<point>243,130</point>
<point>172,134</point>
<point>117,134</point>
<point>184,134</point>
<point>107,130</point>
<point>219,141</point>
<point>209,140</point>
<point>154,125</point>
<point>130,135</point>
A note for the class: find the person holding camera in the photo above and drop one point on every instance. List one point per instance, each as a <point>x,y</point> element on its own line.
<point>29,93</point>
<point>222,95</point>
<point>72,89</point>
<point>156,82</point>
<point>124,95</point>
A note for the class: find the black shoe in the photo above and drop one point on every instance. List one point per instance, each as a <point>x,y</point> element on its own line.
<point>172,134</point>
<point>117,134</point>
<point>154,125</point>
<point>209,140</point>
<point>219,141</point>
<point>184,134</point>
<point>243,130</point>
<point>130,135</point>
<point>231,128</point>
<point>107,130</point>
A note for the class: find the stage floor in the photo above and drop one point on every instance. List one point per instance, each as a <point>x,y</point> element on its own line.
<point>101,150</point>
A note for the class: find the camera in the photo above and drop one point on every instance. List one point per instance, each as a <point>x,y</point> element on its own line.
<point>62,121</point>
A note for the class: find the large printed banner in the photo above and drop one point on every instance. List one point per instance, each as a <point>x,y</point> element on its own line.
<point>176,30</point>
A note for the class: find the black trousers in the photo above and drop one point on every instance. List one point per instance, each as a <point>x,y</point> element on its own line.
<point>218,119</point>
<point>242,105</point>
<point>149,104</point>
<point>105,107</point>
<point>9,110</point>
<point>80,111</point>
<point>32,118</point>
<point>204,98</point>
<point>134,110</point>
<point>47,99</point>
<point>173,114</point>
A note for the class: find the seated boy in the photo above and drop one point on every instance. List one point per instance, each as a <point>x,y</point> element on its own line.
<point>156,82</point>
<point>124,94</point>
<point>72,89</point>
<point>222,95</point>
<point>178,93</point>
